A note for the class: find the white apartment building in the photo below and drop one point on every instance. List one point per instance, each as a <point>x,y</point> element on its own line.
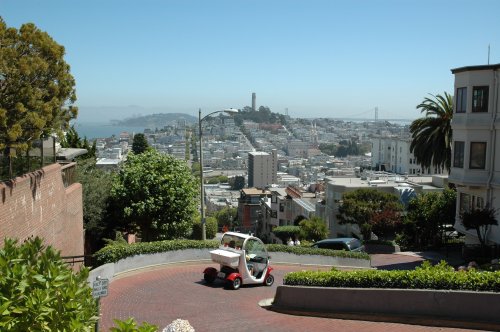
<point>392,154</point>
<point>262,169</point>
<point>475,167</point>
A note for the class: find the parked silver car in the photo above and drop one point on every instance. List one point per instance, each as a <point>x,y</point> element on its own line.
<point>341,243</point>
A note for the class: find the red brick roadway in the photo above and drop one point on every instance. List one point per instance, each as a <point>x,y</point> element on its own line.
<point>163,294</point>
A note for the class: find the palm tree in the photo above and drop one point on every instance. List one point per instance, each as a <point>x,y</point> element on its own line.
<point>432,134</point>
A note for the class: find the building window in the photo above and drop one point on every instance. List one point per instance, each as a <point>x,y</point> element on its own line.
<point>461,100</point>
<point>469,202</point>
<point>477,155</point>
<point>480,99</point>
<point>458,154</point>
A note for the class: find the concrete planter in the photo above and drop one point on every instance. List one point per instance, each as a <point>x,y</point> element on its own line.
<point>437,307</point>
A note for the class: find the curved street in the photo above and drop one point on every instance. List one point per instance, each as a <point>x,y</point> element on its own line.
<point>162,294</point>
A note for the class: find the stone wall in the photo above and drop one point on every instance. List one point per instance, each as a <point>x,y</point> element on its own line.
<point>38,204</point>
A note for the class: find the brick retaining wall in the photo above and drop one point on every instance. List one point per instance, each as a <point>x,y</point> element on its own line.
<point>38,204</point>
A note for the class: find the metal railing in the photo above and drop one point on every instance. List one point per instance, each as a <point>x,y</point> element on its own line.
<point>87,260</point>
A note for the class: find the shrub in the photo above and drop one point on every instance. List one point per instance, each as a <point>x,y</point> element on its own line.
<point>130,325</point>
<point>113,253</point>
<point>286,232</point>
<point>300,250</point>
<point>440,276</point>
<point>39,292</point>
<point>210,228</point>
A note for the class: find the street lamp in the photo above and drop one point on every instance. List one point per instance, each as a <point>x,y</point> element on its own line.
<point>230,111</point>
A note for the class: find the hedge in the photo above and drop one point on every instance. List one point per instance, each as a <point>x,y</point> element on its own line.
<point>439,277</point>
<point>299,250</point>
<point>113,253</point>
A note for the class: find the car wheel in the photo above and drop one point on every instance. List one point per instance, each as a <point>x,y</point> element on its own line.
<point>209,278</point>
<point>269,280</point>
<point>235,284</point>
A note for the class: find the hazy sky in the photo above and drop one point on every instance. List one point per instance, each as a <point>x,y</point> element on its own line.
<point>316,58</point>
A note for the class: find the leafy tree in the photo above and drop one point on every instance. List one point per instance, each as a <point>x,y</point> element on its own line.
<point>72,140</point>
<point>432,134</point>
<point>210,228</point>
<point>40,292</point>
<point>195,169</point>
<point>226,216</point>
<point>96,185</point>
<point>313,229</point>
<point>36,88</point>
<point>237,182</point>
<point>427,216</point>
<point>328,148</point>
<point>367,207</point>
<point>217,179</point>
<point>140,143</point>
<point>157,194</point>
<point>480,220</point>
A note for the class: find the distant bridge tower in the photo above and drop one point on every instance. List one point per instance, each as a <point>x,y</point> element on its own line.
<point>376,114</point>
<point>253,101</point>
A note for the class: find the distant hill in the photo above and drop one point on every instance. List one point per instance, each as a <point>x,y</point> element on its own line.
<point>155,120</point>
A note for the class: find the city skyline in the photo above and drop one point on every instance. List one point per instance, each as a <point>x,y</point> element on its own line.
<point>316,59</point>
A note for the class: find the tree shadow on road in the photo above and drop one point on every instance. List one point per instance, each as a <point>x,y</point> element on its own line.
<point>400,266</point>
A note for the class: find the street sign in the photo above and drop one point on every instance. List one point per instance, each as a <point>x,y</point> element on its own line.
<point>100,288</point>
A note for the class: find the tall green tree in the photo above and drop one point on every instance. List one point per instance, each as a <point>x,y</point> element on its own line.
<point>432,134</point>
<point>140,143</point>
<point>96,185</point>
<point>428,215</point>
<point>237,182</point>
<point>368,207</point>
<point>37,91</point>
<point>156,194</point>
<point>226,216</point>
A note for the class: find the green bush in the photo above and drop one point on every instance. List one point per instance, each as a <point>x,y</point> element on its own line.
<point>40,292</point>
<point>286,232</point>
<point>113,253</point>
<point>299,250</point>
<point>441,277</point>
<point>210,228</point>
<point>130,325</point>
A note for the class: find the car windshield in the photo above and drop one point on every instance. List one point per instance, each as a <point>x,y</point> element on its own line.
<point>232,241</point>
<point>354,244</point>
